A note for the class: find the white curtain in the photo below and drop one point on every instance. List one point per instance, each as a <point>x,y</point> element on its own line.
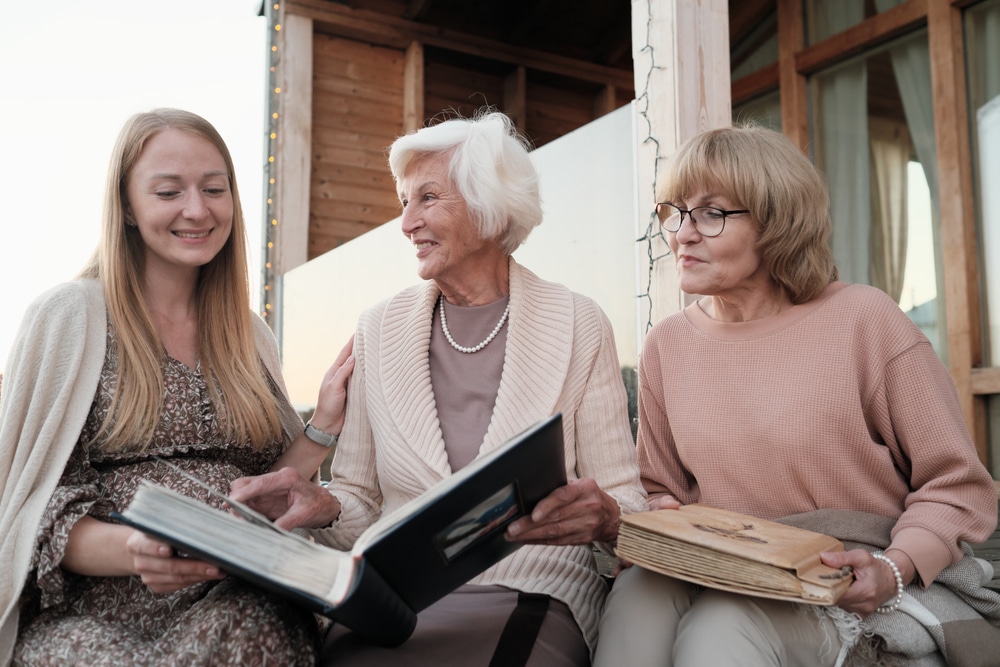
<point>842,150</point>
<point>991,56</point>
<point>988,143</point>
<point>764,111</point>
<point>890,157</point>
<point>983,43</point>
<point>911,63</point>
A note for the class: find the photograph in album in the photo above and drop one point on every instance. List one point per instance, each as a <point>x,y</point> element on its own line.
<point>734,552</point>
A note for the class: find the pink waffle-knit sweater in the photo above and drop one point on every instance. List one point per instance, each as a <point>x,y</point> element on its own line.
<point>837,403</point>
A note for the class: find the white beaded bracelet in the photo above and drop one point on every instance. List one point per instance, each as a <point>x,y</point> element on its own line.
<point>893,604</point>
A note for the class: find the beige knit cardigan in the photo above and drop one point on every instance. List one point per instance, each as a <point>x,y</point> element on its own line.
<point>49,384</point>
<point>560,357</point>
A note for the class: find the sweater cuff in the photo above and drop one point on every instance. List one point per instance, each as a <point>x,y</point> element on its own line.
<point>925,549</point>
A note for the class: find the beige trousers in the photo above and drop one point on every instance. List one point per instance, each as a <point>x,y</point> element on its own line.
<point>651,619</point>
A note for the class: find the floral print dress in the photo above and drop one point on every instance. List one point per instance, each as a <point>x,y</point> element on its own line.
<point>69,619</point>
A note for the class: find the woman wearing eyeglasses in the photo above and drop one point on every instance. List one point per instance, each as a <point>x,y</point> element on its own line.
<point>785,394</point>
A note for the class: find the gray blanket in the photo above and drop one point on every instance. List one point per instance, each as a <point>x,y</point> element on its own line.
<point>955,621</point>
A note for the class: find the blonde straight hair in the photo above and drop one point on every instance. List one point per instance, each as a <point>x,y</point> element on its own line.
<point>763,171</point>
<point>238,384</point>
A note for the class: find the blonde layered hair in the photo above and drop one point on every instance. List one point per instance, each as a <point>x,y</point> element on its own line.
<point>226,346</point>
<point>764,172</point>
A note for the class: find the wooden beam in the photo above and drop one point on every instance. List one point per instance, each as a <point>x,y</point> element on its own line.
<point>384,30</point>
<point>294,154</point>
<point>515,98</point>
<point>413,88</point>
<point>871,32</point>
<point>605,101</point>
<point>527,20</point>
<point>957,209</point>
<point>762,81</point>
<point>416,9</point>
<point>794,104</point>
<point>757,30</point>
<point>985,381</point>
<point>703,56</point>
<point>615,44</point>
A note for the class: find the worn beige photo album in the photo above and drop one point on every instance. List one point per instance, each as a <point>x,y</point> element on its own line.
<point>734,552</point>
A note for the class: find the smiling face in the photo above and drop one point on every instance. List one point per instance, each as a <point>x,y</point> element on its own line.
<point>726,265</point>
<point>179,198</point>
<point>436,220</point>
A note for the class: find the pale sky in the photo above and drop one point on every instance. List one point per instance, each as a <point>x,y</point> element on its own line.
<point>75,72</point>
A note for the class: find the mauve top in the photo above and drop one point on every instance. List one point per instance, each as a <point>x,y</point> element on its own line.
<point>466,384</point>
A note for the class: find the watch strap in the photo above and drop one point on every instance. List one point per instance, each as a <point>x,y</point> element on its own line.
<point>321,438</point>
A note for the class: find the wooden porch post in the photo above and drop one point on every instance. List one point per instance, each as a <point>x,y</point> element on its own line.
<point>682,81</point>
<point>958,232</point>
<point>294,155</point>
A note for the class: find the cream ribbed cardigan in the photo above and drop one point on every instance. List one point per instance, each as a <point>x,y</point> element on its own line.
<point>560,357</point>
<point>49,385</point>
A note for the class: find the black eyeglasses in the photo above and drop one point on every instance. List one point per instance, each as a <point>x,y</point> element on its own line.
<point>709,220</point>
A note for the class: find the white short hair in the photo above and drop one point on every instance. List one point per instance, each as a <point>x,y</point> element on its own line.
<point>490,167</point>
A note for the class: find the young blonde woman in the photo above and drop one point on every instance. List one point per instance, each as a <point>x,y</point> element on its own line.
<point>152,353</point>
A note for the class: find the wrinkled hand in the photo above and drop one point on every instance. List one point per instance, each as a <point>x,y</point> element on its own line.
<point>161,570</point>
<point>874,583</point>
<point>288,499</point>
<point>578,513</point>
<point>658,503</point>
<point>332,400</point>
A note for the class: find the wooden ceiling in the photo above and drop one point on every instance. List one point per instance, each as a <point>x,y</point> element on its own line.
<point>593,33</point>
<point>598,32</point>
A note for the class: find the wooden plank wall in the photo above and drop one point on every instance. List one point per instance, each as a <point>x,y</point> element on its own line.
<point>550,111</point>
<point>357,113</point>
<point>450,87</point>
<point>553,112</point>
<point>358,110</point>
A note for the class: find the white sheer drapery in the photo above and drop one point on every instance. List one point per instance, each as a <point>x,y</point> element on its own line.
<point>842,150</point>
<point>983,42</point>
<point>890,156</point>
<point>764,111</point>
<point>911,64</point>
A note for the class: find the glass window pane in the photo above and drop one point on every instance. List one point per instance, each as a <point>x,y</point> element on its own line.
<point>993,433</point>
<point>873,136</point>
<point>825,18</point>
<point>754,41</point>
<point>918,296</point>
<point>982,42</point>
<point>764,110</point>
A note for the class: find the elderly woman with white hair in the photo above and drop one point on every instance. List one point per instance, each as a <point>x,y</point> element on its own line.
<point>448,370</point>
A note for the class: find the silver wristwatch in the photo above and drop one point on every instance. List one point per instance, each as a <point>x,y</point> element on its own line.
<point>320,437</point>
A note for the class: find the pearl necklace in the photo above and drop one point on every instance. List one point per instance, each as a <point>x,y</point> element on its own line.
<point>489,339</point>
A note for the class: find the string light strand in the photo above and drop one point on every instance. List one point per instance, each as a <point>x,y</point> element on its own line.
<point>653,229</point>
